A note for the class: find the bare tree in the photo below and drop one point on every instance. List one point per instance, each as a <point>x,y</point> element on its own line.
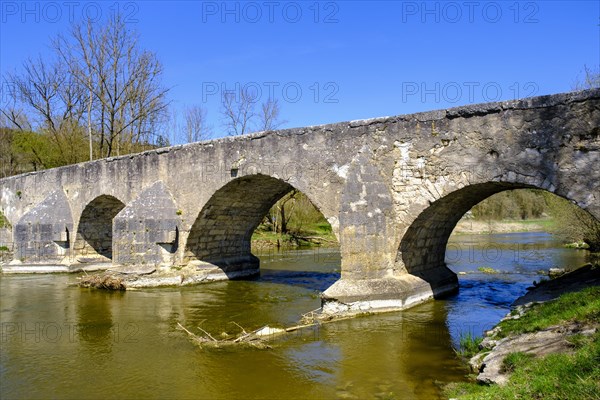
<point>195,125</point>
<point>53,97</point>
<point>80,54</point>
<point>269,115</point>
<point>175,125</point>
<point>12,114</point>
<point>240,115</point>
<point>125,99</point>
<point>96,77</point>
<point>238,111</point>
<point>590,79</point>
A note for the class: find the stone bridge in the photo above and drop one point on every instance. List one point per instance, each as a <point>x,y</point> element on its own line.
<point>392,188</point>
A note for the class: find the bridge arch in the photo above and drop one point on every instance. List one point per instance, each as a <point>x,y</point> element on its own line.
<point>423,246</point>
<point>221,234</point>
<point>95,228</point>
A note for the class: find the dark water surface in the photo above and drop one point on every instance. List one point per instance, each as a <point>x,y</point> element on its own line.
<point>60,341</point>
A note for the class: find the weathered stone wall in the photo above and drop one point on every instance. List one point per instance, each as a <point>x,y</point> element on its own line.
<point>43,234</point>
<point>6,236</point>
<point>392,188</point>
<point>147,230</point>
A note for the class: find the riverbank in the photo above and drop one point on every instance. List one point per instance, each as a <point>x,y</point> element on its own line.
<point>473,226</point>
<point>318,235</point>
<point>544,350</point>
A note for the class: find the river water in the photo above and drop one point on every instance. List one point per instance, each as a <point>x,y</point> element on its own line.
<point>60,341</point>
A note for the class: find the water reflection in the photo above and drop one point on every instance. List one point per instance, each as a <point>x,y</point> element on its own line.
<point>398,355</point>
<point>95,323</point>
<point>127,345</point>
<point>521,252</point>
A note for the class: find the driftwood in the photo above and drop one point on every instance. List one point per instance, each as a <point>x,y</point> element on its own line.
<point>312,317</point>
<point>207,340</point>
<point>260,337</point>
<point>257,338</point>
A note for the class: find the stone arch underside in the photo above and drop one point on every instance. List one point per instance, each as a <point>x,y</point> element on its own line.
<point>95,229</point>
<point>221,234</point>
<point>423,247</point>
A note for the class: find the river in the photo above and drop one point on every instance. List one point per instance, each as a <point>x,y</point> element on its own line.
<point>60,341</point>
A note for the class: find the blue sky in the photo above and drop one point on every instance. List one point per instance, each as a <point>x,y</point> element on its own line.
<point>334,61</point>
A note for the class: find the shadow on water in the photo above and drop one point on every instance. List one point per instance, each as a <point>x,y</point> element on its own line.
<point>312,280</point>
<point>393,355</point>
<point>314,269</point>
<point>95,321</point>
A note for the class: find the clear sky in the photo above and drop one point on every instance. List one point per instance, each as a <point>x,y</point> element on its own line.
<point>334,61</point>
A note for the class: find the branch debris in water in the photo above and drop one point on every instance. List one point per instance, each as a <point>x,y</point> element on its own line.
<point>260,337</point>
<point>257,338</point>
<point>108,282</point>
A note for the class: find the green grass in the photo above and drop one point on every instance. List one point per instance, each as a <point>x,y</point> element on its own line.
<point>545,223</point>
<point>320,229</point>
<point>4,248</point>
<point>556,376</point>
<point>577,245</point>
<point>487,270</point>
<point>582,306</point>
<point>266,235</point>
<point>514,360</point>
<point>469,345</point>
<point>578,340</point>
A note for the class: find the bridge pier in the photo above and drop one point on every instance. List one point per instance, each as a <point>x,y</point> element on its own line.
<point>375,275</point>
<point>232,267</point>
<point>353,296</point>
<point>146,232</point>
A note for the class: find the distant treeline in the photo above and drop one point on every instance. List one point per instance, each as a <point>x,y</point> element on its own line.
<point>512,204</point>
<point>570,221</point>
<point>26,151</point>
<point>294,213</point>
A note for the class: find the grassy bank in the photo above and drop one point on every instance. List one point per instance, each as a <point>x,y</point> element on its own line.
<point>582,307</point>
<point>293,222</point>
<point>571,375</point>
<point>309,235</point>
